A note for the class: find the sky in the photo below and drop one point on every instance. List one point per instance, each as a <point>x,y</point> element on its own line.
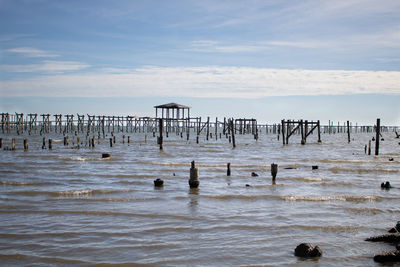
<point>268,59</point>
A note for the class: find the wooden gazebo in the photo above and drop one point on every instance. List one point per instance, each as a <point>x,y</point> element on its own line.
<point>172,111</point>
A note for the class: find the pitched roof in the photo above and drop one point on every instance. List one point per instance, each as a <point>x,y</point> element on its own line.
<point>171,105</point>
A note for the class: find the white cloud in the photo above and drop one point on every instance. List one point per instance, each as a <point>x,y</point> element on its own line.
<point>31,52</point>
<point>47,66</point>
<point>236,82</point>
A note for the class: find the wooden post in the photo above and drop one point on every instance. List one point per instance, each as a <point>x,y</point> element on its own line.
<point>25,144</point>
<point>274,171</point>
<point>233,134</point>
<point>194,176</point>
<point>208,127</point>
<point>319,132</point>
<point>378,131</point>
<point>216,128</point>
<point>303,139</point>
<point>348,131</point>
<point>50,144</point>
<point>44,143</point>
<point>1,142</point>
<point>228,169</point>
<point>283,131</point>
<point>111,142</point>
<point>161,130</point>
<point>13,144</point>
<point>369,147</point>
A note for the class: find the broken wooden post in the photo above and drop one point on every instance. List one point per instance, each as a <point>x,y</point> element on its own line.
<point>1,142</point>
<point>348,131</point>
<point>369,147</point>
<point>194,176</point>
<point>378,131</point>
<point>13,144</point>
<point>25,144</point>
<point>161,130</point>
<point>233,133</point>
<point>228,169</point>
<point>65,140</point>
<point>44,143</point>
<point>50,144</point>
<point>319,132</point>
<point>274,171</point>
<point>283,131</point>
<point>208,128</point>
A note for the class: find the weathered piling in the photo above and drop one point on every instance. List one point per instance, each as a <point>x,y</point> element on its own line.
<point>161,130</point>
<point>1,142</point>
<point>228,169</point>
<point>26,144</point>
<point>50,144</point>
<point>378,132</point>
<point>44,143</point>
<point>78,142</point>
<point>369,147</point>
<point>194,176</point>
<point>348,131</point>
<point>111,142</point>
<point>13,144</point>
<point>232,133</point>
<point>66,141</point>
<point>274,171</point>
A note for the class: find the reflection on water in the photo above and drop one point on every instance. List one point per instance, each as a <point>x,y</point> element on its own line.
<point>70,206</point>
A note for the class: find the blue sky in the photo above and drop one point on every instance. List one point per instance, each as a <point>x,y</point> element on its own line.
<point>209,54</point>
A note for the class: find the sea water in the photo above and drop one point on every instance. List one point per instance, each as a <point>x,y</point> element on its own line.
<point>68,206</point>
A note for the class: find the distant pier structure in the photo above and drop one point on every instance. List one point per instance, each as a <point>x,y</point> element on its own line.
<point>174,116</point>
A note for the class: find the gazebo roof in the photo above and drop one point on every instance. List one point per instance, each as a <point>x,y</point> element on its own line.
<point>172,105</point>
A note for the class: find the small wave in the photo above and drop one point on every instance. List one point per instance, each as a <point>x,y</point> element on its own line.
<point>99,213</point>
<point>37,259</point>
<point>128,199</point>
<point>309,179</point>
<point>71,193</point>
<point>3,182</point>
<point>372,211</point>
<point>331,198</point>
<point>363,170</point>
<point>325,228</point>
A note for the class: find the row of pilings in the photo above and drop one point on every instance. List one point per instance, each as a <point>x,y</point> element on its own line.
<point>19,123</point>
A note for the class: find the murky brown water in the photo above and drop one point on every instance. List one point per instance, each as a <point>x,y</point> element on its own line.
<point>70,207</point>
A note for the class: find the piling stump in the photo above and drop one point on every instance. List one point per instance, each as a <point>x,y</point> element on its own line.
<point>194,176</point>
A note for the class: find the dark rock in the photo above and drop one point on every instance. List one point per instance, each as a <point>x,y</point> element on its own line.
<point>390,238</point>
<point>247,185</point>
<point>158,182</point>
<point>307,250</point>
<point>253,174</point>
<point>393,230</point>
<point>391,256</point>
<point>398,246</point>
<point>386,185</point>
<point>314,167</point>
<point>105,155</point>
<point>391,159</point>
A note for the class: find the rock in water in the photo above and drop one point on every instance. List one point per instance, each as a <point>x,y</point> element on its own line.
<point>391,256</point>
<point>307,250</point>
<point>390,238</point>
<point>158,182</point>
